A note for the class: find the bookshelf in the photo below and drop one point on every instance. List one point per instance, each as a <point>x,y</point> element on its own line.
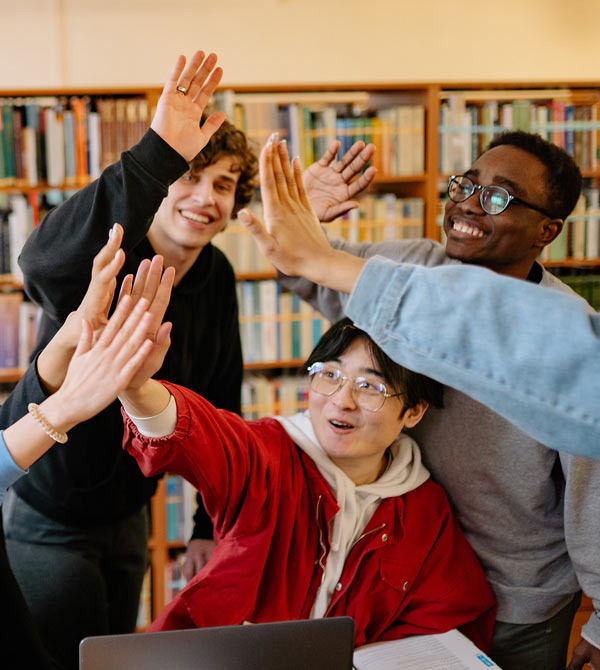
<point>424,132</point>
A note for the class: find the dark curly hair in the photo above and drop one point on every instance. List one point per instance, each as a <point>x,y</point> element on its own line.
<point>230,141</point>
<point>415,387</point>
<point>564,179</point>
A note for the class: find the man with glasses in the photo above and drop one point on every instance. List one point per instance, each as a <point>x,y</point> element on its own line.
<point>530,512</point>
<point>325,513</point>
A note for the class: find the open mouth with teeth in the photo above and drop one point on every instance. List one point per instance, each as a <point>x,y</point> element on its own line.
<point>195,218</point>
<point>466,229</point>
<point>340,425</point>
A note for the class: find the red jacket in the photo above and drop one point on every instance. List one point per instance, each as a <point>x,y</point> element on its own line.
<point>411,572</point>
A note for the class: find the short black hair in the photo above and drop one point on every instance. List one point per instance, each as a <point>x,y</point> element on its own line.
<point>564,176</point>
<point>415,387</point>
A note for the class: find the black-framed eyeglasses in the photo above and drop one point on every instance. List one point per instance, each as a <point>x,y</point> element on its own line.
<point>493,199</point>
<point>327,379</point>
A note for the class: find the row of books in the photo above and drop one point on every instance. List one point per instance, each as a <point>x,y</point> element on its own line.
<point>18,325</point>
<point>65,141</point>
<point>580,237</point>
<point>267,396</point>
<point>19,215</point>
<point>467,128</point>
<point>398,130</point>
<point>276,325</point>
<point>379,218</point>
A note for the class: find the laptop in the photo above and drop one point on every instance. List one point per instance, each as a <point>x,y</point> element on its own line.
<point>315,644</point>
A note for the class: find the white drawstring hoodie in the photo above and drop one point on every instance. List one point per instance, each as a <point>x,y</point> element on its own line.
<point>357,503</point>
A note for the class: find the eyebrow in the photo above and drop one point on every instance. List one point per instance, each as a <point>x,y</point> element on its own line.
<point>500,181</point>
<point>224,177</point>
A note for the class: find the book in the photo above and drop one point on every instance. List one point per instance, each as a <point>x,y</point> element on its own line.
<point>443,651</point>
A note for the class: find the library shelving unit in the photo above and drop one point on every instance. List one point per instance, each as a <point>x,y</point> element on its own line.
<point>424,133</point>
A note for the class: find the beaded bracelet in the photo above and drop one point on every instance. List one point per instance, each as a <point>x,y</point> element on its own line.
<point>35,412</point>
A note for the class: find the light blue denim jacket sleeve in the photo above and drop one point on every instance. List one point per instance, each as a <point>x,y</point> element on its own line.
<point>9,470</point>
<point>528,352</point>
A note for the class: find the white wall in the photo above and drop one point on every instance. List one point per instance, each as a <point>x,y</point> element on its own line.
<point>56,43</point>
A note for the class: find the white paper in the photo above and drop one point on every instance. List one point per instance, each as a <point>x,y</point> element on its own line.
<point>446,651</point>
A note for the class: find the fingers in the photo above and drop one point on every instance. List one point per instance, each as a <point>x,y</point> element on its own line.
<point>107,254</point>
<point>279,176</point>
<point>355,159</point>
<point>330,154</point>
<point>297,170</point>
<point>284,161</point>
<point>362,182</point>
<point>268,188</point>
<point>205,93</point>
<point>160,301</point>
<point>173,78</point>
<point>152,279</point>
<point>139,283</point>
<point>120,315</point>
<point>197,71</point>
<point>126,285</point>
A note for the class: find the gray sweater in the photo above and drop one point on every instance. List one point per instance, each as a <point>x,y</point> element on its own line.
<point>531,513</point>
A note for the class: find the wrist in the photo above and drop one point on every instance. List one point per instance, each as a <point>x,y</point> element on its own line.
<point>148,400</point>
<point>338,270</point>
<point>59,412</point>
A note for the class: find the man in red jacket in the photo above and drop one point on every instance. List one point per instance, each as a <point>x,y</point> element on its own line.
<point>326,513</point>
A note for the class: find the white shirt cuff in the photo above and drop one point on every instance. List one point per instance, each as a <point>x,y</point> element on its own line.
<point>159,425</point>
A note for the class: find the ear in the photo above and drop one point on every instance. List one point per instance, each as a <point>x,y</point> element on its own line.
<point>549,230</point>
<point>413,415</point>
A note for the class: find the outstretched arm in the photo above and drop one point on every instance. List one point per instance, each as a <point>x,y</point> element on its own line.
<point>95,376</point>
<point>332,185</point>
<point>54,359</point>
<point>58,254</point>
<point>502,340</point>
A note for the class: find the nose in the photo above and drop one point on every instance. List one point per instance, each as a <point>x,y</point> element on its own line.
<point>472,204</point>
<point>203,192</point>
<point>344,396</point>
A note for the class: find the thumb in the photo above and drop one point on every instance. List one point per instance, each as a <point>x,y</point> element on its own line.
<point>256,228</point>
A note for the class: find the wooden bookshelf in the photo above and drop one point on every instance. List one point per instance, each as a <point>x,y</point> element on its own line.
<point>361,99</point>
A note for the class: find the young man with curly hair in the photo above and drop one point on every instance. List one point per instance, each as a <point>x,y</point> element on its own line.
<point>81,514</point>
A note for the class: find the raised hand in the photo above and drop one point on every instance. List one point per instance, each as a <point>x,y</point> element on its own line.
<point>331,186</point>
<point>184,97</point>
<point>99,371</point>
<point>292,237</point>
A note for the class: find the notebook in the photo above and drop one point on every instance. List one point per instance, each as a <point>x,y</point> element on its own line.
<point>318,644</point>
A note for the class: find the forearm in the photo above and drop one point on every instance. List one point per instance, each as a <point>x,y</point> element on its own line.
<point>336,270</point>
<point>530,353</point>
<point>57,257</point>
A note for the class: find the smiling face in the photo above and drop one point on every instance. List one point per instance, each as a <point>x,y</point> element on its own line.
<point>197,207</point>
<point>508,242</point>
<point>356,439</point>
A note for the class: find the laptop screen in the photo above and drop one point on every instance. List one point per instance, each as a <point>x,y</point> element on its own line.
<point>318,644</point>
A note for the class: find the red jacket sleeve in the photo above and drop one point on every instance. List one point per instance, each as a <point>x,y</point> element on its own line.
<point>220,454</point>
